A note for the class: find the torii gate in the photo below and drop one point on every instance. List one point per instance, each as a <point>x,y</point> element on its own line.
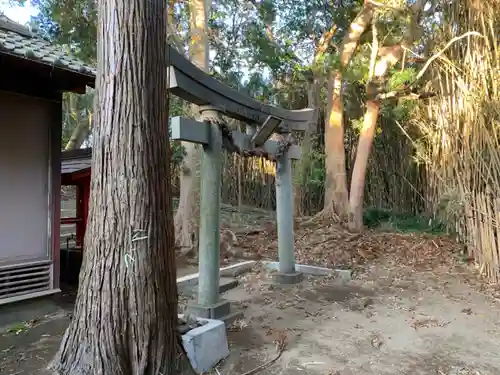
<point>216,99</point>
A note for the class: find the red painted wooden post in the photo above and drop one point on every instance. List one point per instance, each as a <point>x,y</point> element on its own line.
<point>80,212</point>
<point>86,198</point>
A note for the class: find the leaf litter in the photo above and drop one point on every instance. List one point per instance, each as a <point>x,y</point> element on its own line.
<point>330,245</point>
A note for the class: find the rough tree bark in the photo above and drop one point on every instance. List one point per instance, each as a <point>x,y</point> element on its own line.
<point>125,316</point>
<point>187,216</point>
<point>336,194</point>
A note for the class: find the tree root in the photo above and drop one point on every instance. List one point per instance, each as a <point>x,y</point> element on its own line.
<point>325,215</point>
<point>280,347</point>
<point>264,366</point>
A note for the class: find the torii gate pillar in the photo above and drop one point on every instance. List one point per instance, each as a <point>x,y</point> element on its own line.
<point>284,222</point>
<point>208,304</point>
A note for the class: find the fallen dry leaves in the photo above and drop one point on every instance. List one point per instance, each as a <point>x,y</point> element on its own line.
<point>330,245</point>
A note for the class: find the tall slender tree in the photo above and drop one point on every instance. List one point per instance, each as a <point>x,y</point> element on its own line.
<point>125,316</point>
<point>336,193</point>
<point>187,216</point>
<point>383,58</point>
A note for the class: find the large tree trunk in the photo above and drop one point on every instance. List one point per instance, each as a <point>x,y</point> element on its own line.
<point>125,316</point>
<point>336,195</point>
<point>187,216</point>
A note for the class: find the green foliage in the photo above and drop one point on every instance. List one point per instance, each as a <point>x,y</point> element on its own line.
<point>383,219</point>
<point>358,70</point>
<point>265,49</point>
<point>317,169</point>
<point>357,124</point>
<point>312,175</point>
<point>178,152</point>
<point>76,109</point>
<point>176,108</point>
<point>403,110</point>
<point>398,79</point>
<point>69,22</point>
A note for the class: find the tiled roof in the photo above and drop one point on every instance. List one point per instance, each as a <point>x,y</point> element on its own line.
<point>20,41</point>
<point>75,165</point>
<point>76,160</point>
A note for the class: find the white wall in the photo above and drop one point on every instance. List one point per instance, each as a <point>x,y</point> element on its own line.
<point>24,179</point>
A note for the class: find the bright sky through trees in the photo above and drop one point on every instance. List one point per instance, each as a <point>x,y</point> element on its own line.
<point>20,14</point>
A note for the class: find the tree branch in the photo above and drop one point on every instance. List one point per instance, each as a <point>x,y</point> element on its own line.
<point>323,43</point>
<point>356,29</point>
<point>405,95</point>
<point>270,36</point>
<point>438,54</point>
<point>373,57</point>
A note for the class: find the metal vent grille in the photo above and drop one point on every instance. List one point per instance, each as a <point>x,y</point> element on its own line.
<point>25,279</point>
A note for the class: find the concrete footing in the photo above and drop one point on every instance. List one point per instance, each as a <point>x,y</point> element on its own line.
<point>206,345</point>
<point>345,275</point>
<point>227,283</point>
<point>230,271</point>
<point>220,311</point>
<point>287,278</point>
<point>214,311</point>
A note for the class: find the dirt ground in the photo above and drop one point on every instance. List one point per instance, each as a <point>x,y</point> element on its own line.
<point>414,307</point>
<point>386,321</point>
<point>26,347</point>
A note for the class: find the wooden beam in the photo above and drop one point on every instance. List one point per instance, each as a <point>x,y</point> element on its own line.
<point>185,129</point>
<point>188,130</point>
<point>266,130</point>
<point>27,84</point>
<point>33,78</point>
<point>195,86</point>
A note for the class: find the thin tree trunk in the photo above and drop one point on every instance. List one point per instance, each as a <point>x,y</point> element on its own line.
<point>356,196</point>
<point>389,56</point>
<point>125,316</point>
<point>82,128</point>
<point>304,165</point>
<point>336,195</point>
<point>239,162</point>
<point>313,101</point>
<point>187,216</point>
